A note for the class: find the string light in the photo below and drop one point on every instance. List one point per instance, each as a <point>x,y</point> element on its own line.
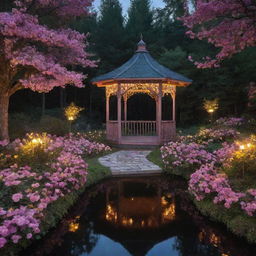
<point>129,89</point>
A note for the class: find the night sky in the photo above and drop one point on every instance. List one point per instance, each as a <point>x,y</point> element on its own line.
<point>126,3</point>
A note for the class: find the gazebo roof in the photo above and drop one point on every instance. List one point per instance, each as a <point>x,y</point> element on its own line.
<point>142,67</point>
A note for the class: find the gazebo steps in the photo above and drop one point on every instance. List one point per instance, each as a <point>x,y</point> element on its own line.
<point>140,140</point>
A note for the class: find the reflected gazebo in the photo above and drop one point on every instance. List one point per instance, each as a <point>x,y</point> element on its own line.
<point>138,216</point>
<point>125,208</point>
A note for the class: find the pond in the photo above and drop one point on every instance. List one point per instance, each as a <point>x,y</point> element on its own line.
<point>142,216</point>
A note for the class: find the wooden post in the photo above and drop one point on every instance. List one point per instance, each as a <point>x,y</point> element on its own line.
<point>43,104</point>
<point>125,108</point>
<point>107,109</point>
<point>159,113</point>
<point>174,107</point>
<point>119,113</point>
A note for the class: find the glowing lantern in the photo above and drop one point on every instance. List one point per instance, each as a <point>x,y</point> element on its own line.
<point>72,113</point>
<point>211,106</point>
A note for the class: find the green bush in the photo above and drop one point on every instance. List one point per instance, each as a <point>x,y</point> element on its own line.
<point>19,125</point>
<point>52,125</point>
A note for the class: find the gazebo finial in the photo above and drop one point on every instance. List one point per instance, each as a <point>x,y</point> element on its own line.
<point>141,45</point>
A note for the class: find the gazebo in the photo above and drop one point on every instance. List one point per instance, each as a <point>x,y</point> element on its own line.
<point>140,74</point>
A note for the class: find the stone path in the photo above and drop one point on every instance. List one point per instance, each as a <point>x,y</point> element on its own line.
<point>126,162</point>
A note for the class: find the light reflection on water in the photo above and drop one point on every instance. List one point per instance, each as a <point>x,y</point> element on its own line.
<point>138,216</point>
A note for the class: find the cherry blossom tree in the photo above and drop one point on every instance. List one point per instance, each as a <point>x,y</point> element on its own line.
<point>227,24</point>
<point>35,54</point>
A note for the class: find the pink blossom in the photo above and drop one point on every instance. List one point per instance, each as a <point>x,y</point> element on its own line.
<point>3,241</point>
<point>227,24</point>
<point>17,197</point>
<point>29,236</point>
<point>16,238</point>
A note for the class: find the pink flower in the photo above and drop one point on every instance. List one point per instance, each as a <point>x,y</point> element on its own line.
<point>3,143</point>
<point>35,185</point>
<point>17,197</point>
<point>3,241</point>
<point>16,238</point>
<point>29,236</point>
<point>34,198</point>
<point>4,231</point>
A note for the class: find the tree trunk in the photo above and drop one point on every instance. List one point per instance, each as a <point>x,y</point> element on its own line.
<point>4,106</point>
<point>43,104</point>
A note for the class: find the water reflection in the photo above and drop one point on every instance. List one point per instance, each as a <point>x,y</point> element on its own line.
<point>138,205</point>
<point>133,217</point>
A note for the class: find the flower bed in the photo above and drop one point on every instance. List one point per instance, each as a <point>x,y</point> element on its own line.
<point>222,174</point>
<point>36,172</point>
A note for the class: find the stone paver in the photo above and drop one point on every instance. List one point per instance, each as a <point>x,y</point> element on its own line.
<point>130,162</point>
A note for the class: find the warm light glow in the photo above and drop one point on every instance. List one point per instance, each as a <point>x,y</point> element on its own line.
<point>71,118</point>
<point>169,213</point>
<point>209,237</point>
<point>169,210</point>
<point>111,214</point>
<point>214,240</point>
<point>129,89</point>
<point>242,147</point>
<point>163,201</point>
<point>72,112</point>
<point>211,105</point>
<point>74,225</point>
<point>37,141</point>
<point>245,145</point>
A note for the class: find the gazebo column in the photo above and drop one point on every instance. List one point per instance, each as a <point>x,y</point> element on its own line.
<point>125,107</point>
<point>159,113</point>
<point>107,109</point>
<point>119,112</point>
<point>174,106</point>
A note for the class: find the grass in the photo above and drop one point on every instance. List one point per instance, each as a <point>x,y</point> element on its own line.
<point>96,171</point>
<point>155,157</point>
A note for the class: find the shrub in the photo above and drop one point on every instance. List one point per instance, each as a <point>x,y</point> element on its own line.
<point>52,125</point>
<point>19,125</point>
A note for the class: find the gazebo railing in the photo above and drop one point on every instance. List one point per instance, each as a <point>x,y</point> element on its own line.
<point>139,128</point>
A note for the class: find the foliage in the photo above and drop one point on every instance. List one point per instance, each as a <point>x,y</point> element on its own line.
<point>37,172</point>
<point>227,24</point>
<point>113,44</point>
<point>140,21</point>
<point>109,35</point>
<point>51,125</point>
<point>32,49</point>
<point>213,169</point>
<point>49,69</point>
<point>156,158</point>
<point>217,186</point>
